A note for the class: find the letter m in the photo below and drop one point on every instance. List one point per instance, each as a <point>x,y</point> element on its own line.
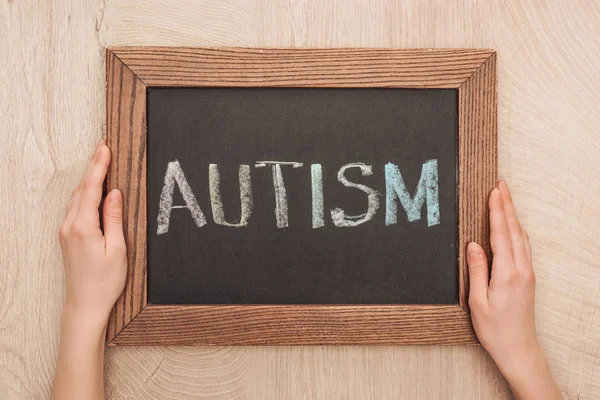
<point>427,190</point>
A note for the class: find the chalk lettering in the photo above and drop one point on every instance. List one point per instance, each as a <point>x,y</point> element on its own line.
<point>338,216</point>
<point>281,209</point>
<point>316,175</point>
<point>427,189</point>
<point>426,192</point>
<point>174,175</point>
<point>216,202</point>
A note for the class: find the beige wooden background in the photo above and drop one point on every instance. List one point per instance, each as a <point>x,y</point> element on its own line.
<point>52,112</point>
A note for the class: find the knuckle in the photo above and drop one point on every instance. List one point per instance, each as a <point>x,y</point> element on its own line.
<point>63,232</point>
<point>118,255</point>
<point>496,215</point>
<point>112,217</point>
<point>516,227</point>
<point>501,233</point>
<point>505,232</point>
<point>120,248</point>
<point>113,213</point>
<point>474,303</point>
<point>79,229</point>
<point>511,277</point>
<point>89,182</point>
<point>477,267</point>
<point>114,249</point>
<point>529,278</point>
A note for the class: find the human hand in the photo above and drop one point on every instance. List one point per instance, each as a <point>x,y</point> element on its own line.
<point>95,263</point>
<point>95,267</point>
<point>502,309</point>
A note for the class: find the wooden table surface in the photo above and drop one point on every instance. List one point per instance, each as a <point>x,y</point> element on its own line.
<point>52,111</point>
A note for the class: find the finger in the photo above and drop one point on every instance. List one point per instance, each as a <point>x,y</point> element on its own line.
<point>113,221</point>
<point>91,189</point>
<point>527,248</point>
<point>478,276</point>
<point>516,232</point>
<point>503,263</point>
<point>72,207</point>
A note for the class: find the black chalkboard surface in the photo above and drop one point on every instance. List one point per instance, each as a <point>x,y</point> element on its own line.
<point>406,140</point>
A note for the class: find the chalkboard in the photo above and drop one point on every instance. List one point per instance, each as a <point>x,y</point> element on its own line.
<point>406,140</point>
<point>299,196</point>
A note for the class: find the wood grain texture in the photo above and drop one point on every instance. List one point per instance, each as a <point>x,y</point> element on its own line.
<point>240,67</point>
<point>298,325</point>
<point>52,102</point>
<point>285,325</point>
<point>477,164</point>
<point>126,137</point>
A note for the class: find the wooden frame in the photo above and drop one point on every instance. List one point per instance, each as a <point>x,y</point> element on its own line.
<point>130,70</point>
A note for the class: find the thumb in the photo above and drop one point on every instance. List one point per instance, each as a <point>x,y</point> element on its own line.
<point>478,276</point>
<point>113,220</point>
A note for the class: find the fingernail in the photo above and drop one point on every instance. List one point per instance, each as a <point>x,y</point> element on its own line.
<point>473,250</point>
<point>496,190</point>
<point>114,197</point>
<point>100,143</point>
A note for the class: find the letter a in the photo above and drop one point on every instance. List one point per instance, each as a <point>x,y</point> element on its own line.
<point>175,175</point>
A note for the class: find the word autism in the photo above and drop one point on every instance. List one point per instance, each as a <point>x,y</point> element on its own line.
<point>396,192</point>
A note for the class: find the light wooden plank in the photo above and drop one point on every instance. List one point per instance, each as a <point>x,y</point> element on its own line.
<point>52,102</point>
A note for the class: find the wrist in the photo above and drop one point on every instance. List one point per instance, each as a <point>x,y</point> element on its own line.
<point>88,322</point>
<point>518,364</point>
<point>529,376</point>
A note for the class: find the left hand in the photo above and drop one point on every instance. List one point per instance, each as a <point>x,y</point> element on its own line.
<point>95,263</point>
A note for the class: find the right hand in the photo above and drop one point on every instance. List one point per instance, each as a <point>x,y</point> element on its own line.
<point>502,309</point>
